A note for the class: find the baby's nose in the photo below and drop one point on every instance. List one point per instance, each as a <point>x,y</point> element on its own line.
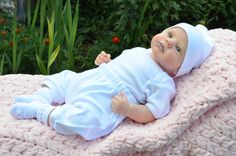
<point>169,43</point>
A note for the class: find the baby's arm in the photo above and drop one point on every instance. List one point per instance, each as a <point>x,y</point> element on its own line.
<point>138,113</point>
<point>103,57</point>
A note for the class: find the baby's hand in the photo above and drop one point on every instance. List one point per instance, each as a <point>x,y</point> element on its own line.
<point>120,104</point>
<point>103,57</point>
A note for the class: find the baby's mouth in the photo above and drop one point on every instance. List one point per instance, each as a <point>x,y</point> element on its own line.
<point>160,45</point>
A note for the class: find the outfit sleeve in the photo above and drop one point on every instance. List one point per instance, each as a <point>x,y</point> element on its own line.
<point>162,90</point>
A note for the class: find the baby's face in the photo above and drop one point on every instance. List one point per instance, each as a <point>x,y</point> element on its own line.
<point>168,49</point>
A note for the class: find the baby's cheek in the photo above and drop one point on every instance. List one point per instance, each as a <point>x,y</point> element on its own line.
<point>159,37</point>
<point>172,61</point>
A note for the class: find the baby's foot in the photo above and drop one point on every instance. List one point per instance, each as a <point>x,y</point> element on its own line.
<point>25,110</point>
<point>29,99</point>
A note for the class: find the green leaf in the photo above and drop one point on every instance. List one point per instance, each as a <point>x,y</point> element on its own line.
<point>41,27</point>
<point>14,49</point>
<point>41,65</point>
<point>51,34</point>
<point>53,56</point>
<point>19,60</point>
<point>35,14</point>
<point>28,12</point>
<point>75,24</point>
<point>9,62</point>
<point>67,36</point>
<point>2,64</point>
<point>50,30</point>
<point>68,15</point>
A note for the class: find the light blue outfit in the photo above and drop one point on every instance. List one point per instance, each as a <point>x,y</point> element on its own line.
<point>88,95</point>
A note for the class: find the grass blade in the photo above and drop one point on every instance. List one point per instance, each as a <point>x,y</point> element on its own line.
<point>41,65</point>
<point>75,24</point>
<point>35,14</point>
<point>2,63</point>
<point>19,60</point>
<point>53,56</point>
<point>28,12</point>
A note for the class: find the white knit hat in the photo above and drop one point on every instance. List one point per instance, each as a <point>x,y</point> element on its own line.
<point>199,47</point>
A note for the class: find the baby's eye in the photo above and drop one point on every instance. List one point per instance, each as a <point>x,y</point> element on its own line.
<point>170,34</point>
<point>178,49</point>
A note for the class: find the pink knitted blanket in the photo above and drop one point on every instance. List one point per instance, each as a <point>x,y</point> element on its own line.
<point>202,119</point>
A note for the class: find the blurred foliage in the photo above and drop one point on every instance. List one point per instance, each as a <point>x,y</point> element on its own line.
<point>136,21</point>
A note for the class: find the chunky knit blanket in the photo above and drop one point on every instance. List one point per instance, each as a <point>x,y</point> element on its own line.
<point>202,120</point>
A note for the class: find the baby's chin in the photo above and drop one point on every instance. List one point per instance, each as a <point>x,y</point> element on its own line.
<point>157,51</point>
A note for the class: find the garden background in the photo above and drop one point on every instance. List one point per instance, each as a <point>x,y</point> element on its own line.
<point>48,36</point>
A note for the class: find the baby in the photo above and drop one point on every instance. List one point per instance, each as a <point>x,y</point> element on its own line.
<point>138,84</point>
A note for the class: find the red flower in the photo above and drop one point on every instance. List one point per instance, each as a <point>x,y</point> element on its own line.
<point>46,41</point>
<point>116,40</point>
<point>2,21</point>
<point>3,33</point>
<point>18,30</point>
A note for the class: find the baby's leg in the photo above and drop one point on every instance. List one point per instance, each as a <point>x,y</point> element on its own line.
<point>33,106</point>
<point>29,110</point>
<point>43,95</point>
